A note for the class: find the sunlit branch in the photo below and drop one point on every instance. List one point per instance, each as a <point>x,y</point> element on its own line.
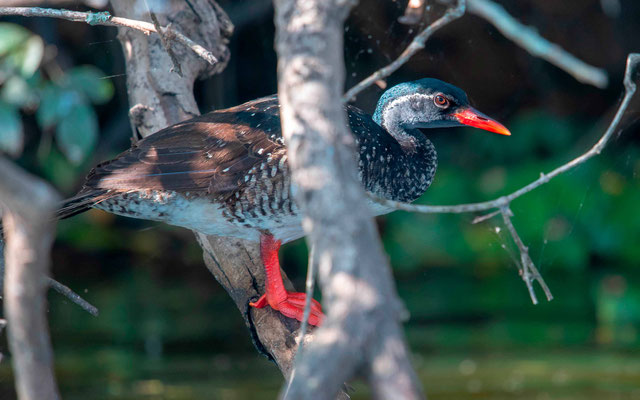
<point>106,19</point>
<point>413,13</point>
<point>527,38</point>
<point>503,202</point>
<point>416,45</point>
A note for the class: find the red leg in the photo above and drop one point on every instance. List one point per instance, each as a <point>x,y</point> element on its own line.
<point>290,304</point>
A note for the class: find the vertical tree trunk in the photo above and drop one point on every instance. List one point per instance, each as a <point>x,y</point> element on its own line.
<point>27,206</point>
<point>361,332</point>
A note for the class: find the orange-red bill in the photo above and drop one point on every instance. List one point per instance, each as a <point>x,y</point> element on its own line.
<point>472,117</point>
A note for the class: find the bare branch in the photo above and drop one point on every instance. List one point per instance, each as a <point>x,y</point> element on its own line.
<point>164,39</point>
<point>630,88</point>
<point>529,39</point>
<point>524,36</point>
<point>361,331</point>
<point>528,270</point>
<point>28,206</point>
<point>416,45</point>
<point>57,3</point>
<point>235,263</point>
<point>73,296</point>
<point>106,19</point>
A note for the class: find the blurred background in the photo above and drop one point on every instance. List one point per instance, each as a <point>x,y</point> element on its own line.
<point>167,330</point>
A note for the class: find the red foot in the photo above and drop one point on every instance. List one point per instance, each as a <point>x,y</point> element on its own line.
<point>290,304</point>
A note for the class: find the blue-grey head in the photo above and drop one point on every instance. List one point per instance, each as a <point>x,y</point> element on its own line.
<point>429,103</point>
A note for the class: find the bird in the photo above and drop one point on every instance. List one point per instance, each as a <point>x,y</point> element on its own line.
<point>226,172</point>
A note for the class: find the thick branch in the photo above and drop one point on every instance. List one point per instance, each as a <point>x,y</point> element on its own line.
<point>361,331</point>
<point>160,98</point>
<point>28,206</point>
<point>104,18</point>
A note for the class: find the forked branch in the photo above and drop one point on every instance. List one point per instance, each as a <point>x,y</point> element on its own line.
<point>502,203</point>
<point>106,19</point>
<point>524,36</point>
<point>415,46</point>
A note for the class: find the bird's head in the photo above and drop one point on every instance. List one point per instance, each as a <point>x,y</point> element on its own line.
<point>430,103</point>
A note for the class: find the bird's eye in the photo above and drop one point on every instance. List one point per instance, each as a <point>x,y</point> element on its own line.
<point>441,101</point>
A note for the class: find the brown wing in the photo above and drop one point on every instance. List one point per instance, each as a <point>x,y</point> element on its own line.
<point>211,153</point>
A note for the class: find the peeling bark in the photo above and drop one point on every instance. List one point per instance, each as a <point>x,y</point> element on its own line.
<point>159,98</point>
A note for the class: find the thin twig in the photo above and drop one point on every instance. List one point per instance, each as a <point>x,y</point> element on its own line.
<point>502,203</point>
<point>482,218</point>
<point>310,283</point>
<point>164,39</point>
<point>630,88</point>
<point>527,268</point>
<point>106,19</point>
<point>73,296</point>
<point>529,39</point>
<point>416,45</point>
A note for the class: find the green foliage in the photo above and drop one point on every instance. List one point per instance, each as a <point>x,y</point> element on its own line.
<point>87,80</point>
<point>77,133</point>
<point>20,51</point>
<point>10,130</point>
<point>63,103</point>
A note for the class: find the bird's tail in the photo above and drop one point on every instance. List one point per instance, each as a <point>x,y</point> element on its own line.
<point>80,203</point>
<point>75,205</point>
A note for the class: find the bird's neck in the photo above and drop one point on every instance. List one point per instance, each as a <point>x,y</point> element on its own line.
<point>404,169</point>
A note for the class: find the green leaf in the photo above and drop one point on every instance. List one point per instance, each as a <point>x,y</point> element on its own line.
<point>31,55</point>
<point>77,133</point>
<point>26,57</point>
<point>11,36</point>
<point>88,80</point>
<point>55,104</point>
<point>11,136</point>
<point>17,92</point>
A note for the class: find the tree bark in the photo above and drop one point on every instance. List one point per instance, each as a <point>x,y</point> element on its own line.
<point>362,331</point>
<point>159,98</point>
<point>27,206</point>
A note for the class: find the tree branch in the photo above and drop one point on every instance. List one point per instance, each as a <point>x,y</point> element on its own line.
<point>361,331</point>
<point>502,203</point>
<point>630,88</point>
<point>28,207</point>
<point>415,46</point>
<point>524,36</point>
<point>236,264</point>
<point>106,19</point>
<point>527,268</point>
<point>73,296</point>
<point>529,39</point>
